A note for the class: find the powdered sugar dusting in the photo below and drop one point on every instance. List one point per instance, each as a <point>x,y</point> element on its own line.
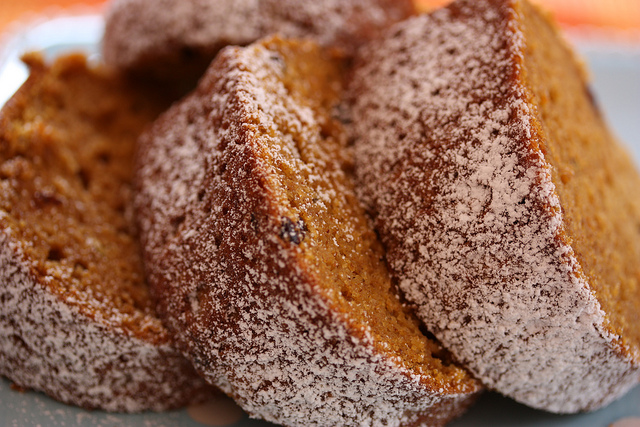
<point>48,345</point>
<point>140,30</point>
<point>234,290</point>
<point>135,27</point>
<point>446,149</point>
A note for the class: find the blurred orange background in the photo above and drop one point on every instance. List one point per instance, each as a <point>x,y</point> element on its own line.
<point>14,10</point>
<point>619,14</point>
<point>608,14</point>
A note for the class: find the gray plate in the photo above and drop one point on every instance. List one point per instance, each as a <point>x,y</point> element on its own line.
<point>616,72</point>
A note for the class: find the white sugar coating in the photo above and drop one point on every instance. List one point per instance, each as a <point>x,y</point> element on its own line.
<point>48,345</point>
<point>237,296</point>
<point>445,154</point>
<point>140,30</point>
<point>136,27</point>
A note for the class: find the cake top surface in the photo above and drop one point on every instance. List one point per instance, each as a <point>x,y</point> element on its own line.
<point>466,75</point>
<point>173,28</point>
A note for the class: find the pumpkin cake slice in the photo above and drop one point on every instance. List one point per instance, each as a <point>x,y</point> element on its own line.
<point>263,263</point>
<point>76,319</point>
<point>509,212</point>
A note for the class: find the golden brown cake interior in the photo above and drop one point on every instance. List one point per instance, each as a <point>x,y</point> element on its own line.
<point>329,225</point>
<point>66,152</point>
<point>597,182</point>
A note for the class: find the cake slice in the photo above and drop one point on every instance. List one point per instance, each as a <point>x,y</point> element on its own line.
<point>176,40</point>
<point>263,263</point>
<point>509,212</point>
<point>76,319</point>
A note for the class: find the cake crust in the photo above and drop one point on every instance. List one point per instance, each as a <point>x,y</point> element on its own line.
<point>452,158</point>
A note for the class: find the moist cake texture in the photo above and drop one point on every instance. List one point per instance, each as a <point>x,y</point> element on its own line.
<point>508,210</point>
<point>76,318</point>
<point>263,263</point>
